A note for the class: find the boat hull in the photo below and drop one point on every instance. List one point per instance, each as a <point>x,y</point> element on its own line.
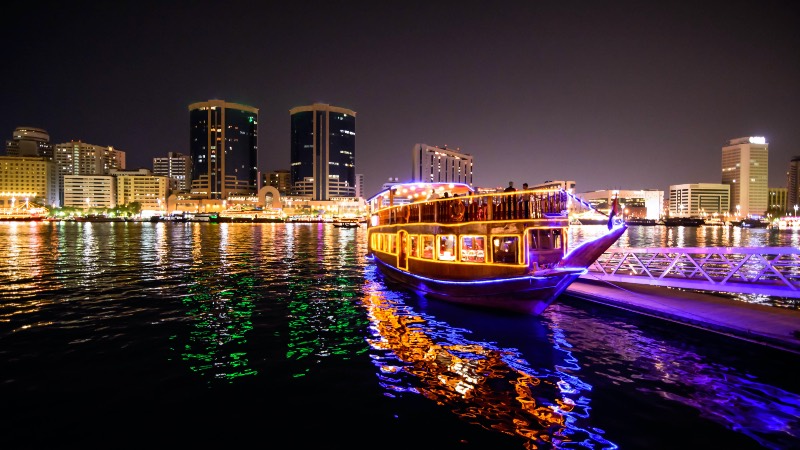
<point>527,294</point>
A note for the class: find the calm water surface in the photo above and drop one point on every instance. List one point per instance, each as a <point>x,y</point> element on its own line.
<point>284,335</point>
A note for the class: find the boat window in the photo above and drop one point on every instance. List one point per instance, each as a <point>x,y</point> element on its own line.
<point>550,239</point>
<point>392,248</point>
<point>505,249</point>
<point>472,248</point>
<point>447,247</point>
<point>414,244</point>
<point>427,247</point>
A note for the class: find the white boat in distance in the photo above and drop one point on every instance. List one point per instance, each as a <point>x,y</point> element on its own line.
<point>505,250</point>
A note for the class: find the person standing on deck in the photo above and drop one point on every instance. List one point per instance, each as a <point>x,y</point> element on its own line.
<point>511,202</point>
<point>525,200</point>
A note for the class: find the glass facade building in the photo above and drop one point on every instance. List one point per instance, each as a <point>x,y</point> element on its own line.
<point>224,149</point>
<point>323,151</point>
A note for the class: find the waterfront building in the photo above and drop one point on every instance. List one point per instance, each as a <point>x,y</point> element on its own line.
<point>280,180</point>
<point>80,158</point>
<point>745,168</point>
<point>323,151</point>
<point>360,186</point>
<point>432,164</point>
<point>90,191</point>
<point>143,187</point>
<point>633,203</point>
<point>30,141</point>
<point>176,166</point>
<point>568,186</point>
<point>699,200</point>
<point>223,146</point>
<point>793,185</point>
<point>30,179</point>
<point>777,202</point>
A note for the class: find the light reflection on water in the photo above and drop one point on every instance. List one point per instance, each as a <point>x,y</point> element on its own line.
<point>114,312</point>
<point>585,382</point>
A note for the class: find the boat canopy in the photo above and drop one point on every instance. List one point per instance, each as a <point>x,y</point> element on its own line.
<point>402,193</point>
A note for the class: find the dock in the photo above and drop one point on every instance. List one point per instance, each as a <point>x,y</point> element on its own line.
<point>762,324</point>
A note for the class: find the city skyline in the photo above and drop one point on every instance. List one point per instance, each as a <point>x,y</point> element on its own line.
<point>611,95</point>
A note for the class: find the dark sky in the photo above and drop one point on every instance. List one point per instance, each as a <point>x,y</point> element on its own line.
<point>610,94</point>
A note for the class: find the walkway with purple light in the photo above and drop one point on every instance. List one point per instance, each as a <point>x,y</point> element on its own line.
<point>769,325</point>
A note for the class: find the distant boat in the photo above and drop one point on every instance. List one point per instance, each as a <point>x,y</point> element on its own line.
<point>715,222</point>
<point>684,221</point>
<point>496,250</point>
<point>751,223</point>
<point>347,222</point>
<point>641,222</point>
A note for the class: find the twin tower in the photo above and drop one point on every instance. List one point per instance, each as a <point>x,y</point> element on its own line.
<point>224,150</point>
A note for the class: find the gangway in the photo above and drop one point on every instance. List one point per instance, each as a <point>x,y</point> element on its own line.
<point>771,271</point>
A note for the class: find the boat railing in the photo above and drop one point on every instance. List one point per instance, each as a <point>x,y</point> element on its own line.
<point>766,270</point>
<point>479,207</point>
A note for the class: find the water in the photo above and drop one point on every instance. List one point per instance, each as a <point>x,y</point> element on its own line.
<point>284,335</point>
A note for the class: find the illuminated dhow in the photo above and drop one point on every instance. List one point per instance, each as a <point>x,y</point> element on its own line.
<point>504,250</point>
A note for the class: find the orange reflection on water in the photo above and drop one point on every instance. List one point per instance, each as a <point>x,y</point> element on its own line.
<point>475,381</point>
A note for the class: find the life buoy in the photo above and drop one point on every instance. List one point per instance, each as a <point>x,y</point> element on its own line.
<point>457,210</point>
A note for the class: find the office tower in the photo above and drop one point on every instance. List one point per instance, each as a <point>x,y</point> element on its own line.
<point>29,179</point>
<point>223,146</point>
<point>280,180</point>
<point>90,191</point>
<point>745,165</point>
<point>699,200</point>
<point>360,186</point>
<point>434,165</point>
<point>323,151</point>
<point>80,158</point>
<point>176,166</point>
<point>143,187</point>
<point>793,186</point>
<point>777,201</point>
<point>30,141</point>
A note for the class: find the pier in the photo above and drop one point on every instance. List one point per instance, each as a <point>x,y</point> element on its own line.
<point>678,284</point>
<point>771,271</point>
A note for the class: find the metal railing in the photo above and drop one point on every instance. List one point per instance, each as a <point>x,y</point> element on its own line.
<point>767,270</point>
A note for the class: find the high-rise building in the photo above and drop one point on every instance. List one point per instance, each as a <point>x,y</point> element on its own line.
<point>176,166</point>
<point>90,191</point>
<point>224,149</point>
<point>280,180</point>
<point>323,151</point>
<point>360,186</point>
<point>30,179</point>
<point>80,158</point>
<point>777,201</point>
<point>793,185</point>
<point>30,141</point>
<point>143,187</point>
<point>440,165</point>
<point>745,167</point>
<point>699,200</point>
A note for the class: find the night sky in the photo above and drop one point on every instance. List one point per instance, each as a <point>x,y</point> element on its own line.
<point>610,94</point>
